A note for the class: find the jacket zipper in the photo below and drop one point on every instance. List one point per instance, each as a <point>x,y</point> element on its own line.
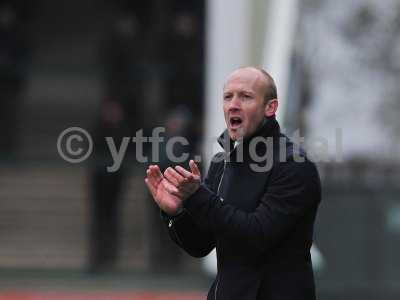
<point>222,177</point>
<point>216,289</point>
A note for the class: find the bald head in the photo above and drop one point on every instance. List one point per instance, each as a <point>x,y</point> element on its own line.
<point>265,80</point>
<point>249,97</point>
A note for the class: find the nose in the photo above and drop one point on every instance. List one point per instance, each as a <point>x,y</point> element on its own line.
<point>234,104</point>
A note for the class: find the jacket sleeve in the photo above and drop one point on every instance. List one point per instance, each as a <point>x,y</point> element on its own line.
<point>195,240</point>
<point>187,235</point>
<point>293,191</point>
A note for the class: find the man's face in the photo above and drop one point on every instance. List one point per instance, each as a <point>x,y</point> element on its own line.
<point>244,105</point>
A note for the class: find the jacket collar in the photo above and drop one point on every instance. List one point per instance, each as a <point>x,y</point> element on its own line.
<point>268,128</point>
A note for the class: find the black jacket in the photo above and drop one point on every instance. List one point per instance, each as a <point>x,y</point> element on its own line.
<point>261,223</point>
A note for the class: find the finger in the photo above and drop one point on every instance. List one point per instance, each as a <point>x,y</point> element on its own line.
<point>185,173</point>
<point>151,187</point>
<point>151,172</point>
<point>154,175</point>
<point>152,178</point>
<point>171,178</point>
<point>174,176</point>
<point>170,188</point>
<point>182,187</point>
<point>157,172</point>
<point>153,191</point>
<point>194,168</point>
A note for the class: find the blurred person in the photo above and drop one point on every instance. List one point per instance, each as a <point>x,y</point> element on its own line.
<point>121,116</point>
<point>259,219</point>
<point>13,70</point>
<point>163,255</point>
<point>106,189</point>
<point>123,53</point>
<point>184,58</point>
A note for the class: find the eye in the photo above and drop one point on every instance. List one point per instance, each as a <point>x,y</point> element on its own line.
<point>247,96</point>
<point>227,97</point>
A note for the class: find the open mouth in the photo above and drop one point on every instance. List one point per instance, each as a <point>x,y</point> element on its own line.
<point>235,122</point>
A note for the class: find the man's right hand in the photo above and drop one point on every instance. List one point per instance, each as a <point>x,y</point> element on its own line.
<point>161,189</point>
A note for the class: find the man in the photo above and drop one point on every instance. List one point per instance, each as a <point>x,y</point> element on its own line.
<point>257,204</point>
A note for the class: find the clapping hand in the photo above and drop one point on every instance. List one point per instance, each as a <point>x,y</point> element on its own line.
<point>184,183</point>
<point>172,188</point>
<point>160,189</point>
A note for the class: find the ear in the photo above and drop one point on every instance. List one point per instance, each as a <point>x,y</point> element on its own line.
<point>271,107</point>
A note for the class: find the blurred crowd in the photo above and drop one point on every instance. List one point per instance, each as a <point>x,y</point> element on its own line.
<point>151,67</point>
<point>143,57</point>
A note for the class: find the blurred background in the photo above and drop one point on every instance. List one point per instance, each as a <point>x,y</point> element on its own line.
<point>77,231</point>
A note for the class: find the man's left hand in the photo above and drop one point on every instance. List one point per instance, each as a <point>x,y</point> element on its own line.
<point>186,182</point>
